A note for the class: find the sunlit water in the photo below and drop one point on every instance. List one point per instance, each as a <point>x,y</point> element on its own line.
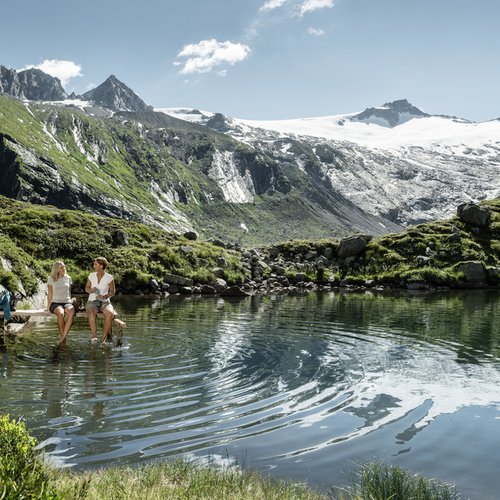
<point>304,387</point>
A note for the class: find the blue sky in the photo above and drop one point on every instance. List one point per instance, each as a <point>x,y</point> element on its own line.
<point>265,59</point>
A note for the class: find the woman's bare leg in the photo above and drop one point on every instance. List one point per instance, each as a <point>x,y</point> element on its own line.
<point>70,316</point>
<point>59,312</point>
<point>108,312</point>
<point>91,315</point>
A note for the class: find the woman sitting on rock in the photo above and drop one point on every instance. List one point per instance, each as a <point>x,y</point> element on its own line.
<point>59,298</point>
<point>101,287</point>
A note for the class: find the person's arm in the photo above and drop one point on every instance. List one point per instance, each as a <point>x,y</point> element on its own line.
<point>50,293</point>
<point>111,290</point>
<point>89,288</point>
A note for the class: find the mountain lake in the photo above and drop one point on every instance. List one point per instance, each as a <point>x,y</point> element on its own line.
<point>304,387</point>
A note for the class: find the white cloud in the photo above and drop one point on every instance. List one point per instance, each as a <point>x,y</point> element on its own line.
<point>310,5</point>
<point>315,31</point>
<point>64,70</point>
<point>271,5</point>
<point>206,55</point>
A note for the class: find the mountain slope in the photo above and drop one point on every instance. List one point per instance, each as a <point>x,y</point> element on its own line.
<point>155,169</point>
<point>394,161</point>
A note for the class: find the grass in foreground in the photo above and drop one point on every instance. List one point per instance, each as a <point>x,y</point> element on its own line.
<point>179,480</point>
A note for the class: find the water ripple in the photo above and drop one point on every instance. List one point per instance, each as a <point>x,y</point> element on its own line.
<point>290,377</point>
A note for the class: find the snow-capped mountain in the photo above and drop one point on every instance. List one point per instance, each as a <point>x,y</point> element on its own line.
<point>371,171</point>
<point>395,160</point>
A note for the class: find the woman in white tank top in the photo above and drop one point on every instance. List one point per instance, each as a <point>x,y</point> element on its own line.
<point>100,287</point>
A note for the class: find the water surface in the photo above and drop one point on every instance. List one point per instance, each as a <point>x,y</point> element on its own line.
<point>304,387</point>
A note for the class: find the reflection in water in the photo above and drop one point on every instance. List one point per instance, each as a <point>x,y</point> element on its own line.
<point>313,378</point>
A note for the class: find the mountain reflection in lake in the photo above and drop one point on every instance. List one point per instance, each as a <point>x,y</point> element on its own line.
<point>304,387</point>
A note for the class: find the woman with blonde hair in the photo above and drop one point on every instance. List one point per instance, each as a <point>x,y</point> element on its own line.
<point>59,298</point>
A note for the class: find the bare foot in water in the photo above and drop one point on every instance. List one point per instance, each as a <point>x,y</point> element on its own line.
<point>119,333</point>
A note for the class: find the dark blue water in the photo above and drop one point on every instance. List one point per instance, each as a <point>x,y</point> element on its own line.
<point>303,387</point>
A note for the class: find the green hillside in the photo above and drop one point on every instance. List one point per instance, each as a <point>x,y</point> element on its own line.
<point>33,236</point>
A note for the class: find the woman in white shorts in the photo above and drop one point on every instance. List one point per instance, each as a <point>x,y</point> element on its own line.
<point>100,287</point>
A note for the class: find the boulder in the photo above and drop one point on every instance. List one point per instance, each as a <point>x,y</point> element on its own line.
<point>221,261</point>
<point>154,285</point>
<point>219,285</point>
<point>328,253</point>
<point>473,214</point>
<point>119,238</point>
<point>279,270</point>
<point>312,254</point>
<point>218,272</point>
<point>474,272</point>
<point>174,279</point>
<point>299,278</point>
<point>493,274</point>
<point>234,291</point>
<point>191,235</point>
<point>352,246</point>
<point>218,243</point>
<point>321,262</point>
<point>274,252</point>
<point>423,260</point>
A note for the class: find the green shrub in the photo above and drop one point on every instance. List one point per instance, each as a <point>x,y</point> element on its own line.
<point>22,472</point>
<point>433,275</point>
<point>8,280</point>
<point>379,481</point>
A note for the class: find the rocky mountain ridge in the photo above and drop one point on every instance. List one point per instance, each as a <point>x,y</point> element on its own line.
<point>35,85</point>
<point>159,170</point>
<point>111,154</point>
<point>31,84</point>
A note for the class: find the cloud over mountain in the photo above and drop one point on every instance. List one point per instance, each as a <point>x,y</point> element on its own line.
<point>64,70</point>
<point>206,55</point>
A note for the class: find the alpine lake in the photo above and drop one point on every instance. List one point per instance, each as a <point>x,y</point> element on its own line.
<point>304,387</point>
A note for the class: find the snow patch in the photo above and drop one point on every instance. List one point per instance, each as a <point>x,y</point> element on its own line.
<point>236,188</point>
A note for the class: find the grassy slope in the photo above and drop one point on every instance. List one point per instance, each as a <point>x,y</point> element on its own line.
<point>122,169</point>
<point>32,237</point>
<point>396,258</point>
<point>395,255</point>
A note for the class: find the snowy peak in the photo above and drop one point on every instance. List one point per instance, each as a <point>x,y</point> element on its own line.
<point>391,114</point>
<point>114,94</point>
